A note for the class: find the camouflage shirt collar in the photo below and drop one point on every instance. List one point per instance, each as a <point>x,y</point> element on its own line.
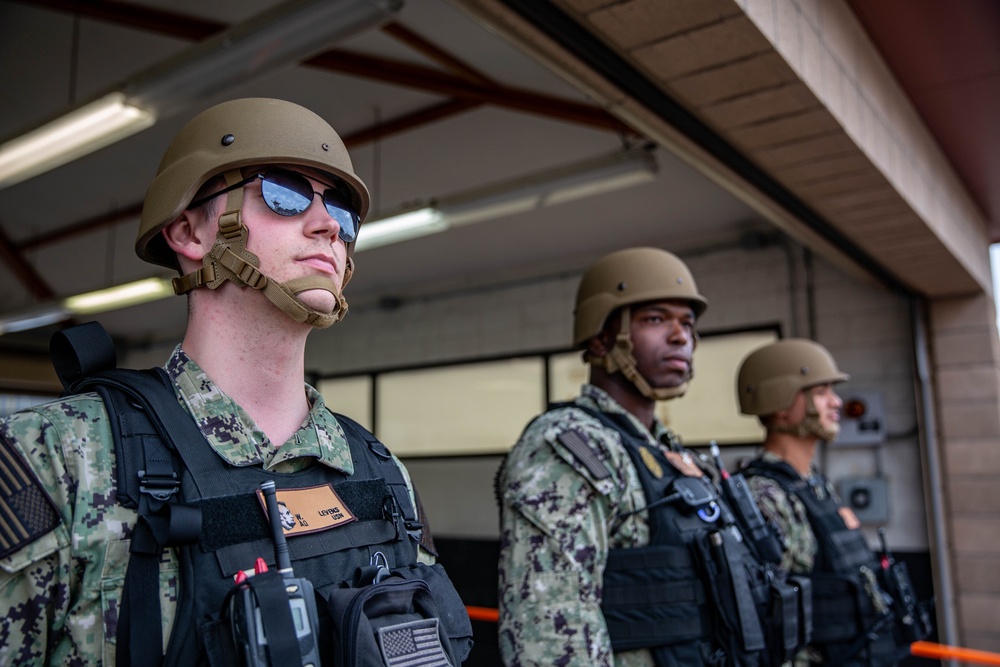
<point>596,398</point>
<point>235,437</point>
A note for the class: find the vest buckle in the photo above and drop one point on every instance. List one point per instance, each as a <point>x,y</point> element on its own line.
<point>160,487</point>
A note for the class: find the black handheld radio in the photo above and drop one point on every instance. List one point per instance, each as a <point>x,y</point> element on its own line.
<point>751,521</point>
<point>263,634</point>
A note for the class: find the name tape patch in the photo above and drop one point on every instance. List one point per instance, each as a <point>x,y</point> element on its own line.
<point>309,510</point>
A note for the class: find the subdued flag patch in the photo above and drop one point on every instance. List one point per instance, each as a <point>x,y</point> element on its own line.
<point>413,644</point>
<point>26,511</point>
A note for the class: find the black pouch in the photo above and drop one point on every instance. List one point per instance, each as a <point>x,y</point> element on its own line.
<point>789,617</point>
<point>411,613</point>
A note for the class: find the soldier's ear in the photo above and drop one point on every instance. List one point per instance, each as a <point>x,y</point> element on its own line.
<point>598,346</point>
<point>601,344</point>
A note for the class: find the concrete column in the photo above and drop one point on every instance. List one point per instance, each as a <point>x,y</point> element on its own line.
<point>966,361</point>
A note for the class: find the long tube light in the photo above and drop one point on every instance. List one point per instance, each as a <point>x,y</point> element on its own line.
<point>547,188</point>
<point>560,185</point>
<point>280,37</point>
<point>89,303</point>
<point>401,227</point>
<point>119,296</point>
<point>81,131</point>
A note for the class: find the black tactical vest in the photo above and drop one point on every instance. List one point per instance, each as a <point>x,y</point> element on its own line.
<point>695,595</point>
<point>190,499</point>
<point>843,608</point>
<point>235,532</point>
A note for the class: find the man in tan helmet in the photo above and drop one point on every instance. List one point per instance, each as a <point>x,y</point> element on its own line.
<point>789,385</point>
<point>118,547</point>
<point>615,547</point>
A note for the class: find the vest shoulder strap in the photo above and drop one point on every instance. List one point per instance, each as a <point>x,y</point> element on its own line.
<point>146,421</point>
<point>381,462</point>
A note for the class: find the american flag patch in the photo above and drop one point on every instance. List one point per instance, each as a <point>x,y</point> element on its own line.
<point>413,644</point>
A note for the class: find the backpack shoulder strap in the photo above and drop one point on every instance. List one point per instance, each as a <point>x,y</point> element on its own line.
<point>146,420</point>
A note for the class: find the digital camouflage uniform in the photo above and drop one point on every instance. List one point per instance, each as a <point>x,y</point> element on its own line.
<point>60,593</point>
<point>556,529</point>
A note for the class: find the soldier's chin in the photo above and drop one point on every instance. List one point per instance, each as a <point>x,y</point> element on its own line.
<point>832,432</point>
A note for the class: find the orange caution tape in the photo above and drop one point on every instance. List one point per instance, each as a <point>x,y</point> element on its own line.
<point>943,651</point>
<point>483,614</point>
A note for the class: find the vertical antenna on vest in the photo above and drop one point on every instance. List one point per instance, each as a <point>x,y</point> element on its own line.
<point>280,545</point>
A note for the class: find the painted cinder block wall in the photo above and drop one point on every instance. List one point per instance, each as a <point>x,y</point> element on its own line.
<point>864,325</point>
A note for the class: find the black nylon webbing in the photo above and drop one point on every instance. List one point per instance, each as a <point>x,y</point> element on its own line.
<point>276,616</point>
<point>159,423</point>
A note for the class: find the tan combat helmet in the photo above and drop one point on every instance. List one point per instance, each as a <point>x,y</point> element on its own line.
<point>618,280</point>
<point>223,140</point>
<point>771,376</point>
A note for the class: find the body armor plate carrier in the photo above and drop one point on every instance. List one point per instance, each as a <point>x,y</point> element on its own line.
<point>850,611</point>
<point>695,595</point>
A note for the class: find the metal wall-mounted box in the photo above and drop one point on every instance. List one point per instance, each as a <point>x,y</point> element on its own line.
<point>867,497</point>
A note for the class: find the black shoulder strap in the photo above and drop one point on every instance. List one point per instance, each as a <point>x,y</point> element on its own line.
<point>780,472</point>
<point>380,460</point>
<point>146,422</point>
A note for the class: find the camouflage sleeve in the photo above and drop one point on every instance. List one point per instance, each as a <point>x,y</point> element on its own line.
<point>60,592</point>
<point>555,515</point>
<point>35,574</point>
<point>788,517</point>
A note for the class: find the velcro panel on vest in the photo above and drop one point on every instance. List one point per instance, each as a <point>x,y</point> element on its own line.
<point>232,520</point>
<point>236,519</point>
<point>652,596</point>
<point>849,550</point>
<point>581,451</point>
<point>237,531</point>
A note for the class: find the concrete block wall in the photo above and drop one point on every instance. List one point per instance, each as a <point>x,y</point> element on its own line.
<point>966,358</point>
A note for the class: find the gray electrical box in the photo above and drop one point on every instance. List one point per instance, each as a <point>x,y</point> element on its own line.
<point>868,497</point>
<point>862,419</point>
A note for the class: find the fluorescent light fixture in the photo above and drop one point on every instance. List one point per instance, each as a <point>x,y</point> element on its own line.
<point>401,227</point>
<point>560,185</point>
<point>272,40</point>
<point>32,318</point>
<point>119,296</point>
<point>99,301</point>
<point>81,131</point>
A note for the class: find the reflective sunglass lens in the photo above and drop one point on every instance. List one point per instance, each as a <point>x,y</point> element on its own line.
<point>290,194</point>
<point>285,197</point>
<point>340,209</point>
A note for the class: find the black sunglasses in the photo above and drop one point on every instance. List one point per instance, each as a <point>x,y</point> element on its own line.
<point>289,193</point>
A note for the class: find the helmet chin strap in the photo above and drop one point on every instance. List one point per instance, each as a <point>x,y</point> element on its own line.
<point>620,359</point>
<point>230,260</point>
<point>810,426</point>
